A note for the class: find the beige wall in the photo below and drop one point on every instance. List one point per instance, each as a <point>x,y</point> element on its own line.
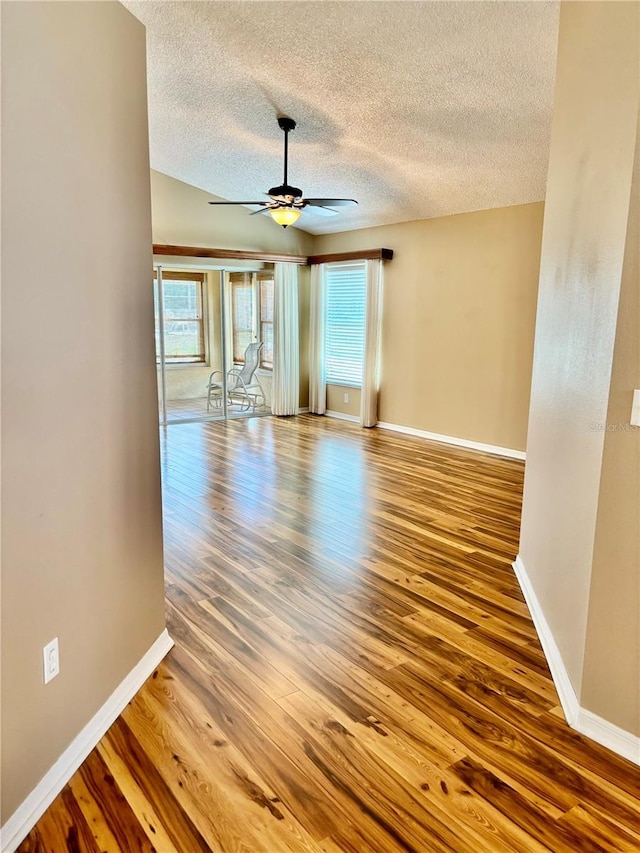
<point>81,519</point>
<point>587,202</point>
<point>458,321</point>
<point>611,685</point>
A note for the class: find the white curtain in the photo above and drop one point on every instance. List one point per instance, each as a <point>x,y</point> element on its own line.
<point>371,367</point>
<point>317,332</point>
<point>286,355</point>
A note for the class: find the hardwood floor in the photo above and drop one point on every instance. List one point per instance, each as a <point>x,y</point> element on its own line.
<point>355,669</point>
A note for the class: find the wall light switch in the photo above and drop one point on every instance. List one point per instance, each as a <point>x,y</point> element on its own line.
<point>346,398</point>
<point>51,659</point>
<point>635,408</point>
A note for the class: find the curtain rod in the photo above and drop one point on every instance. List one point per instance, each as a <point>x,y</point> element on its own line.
<point>363,255</point>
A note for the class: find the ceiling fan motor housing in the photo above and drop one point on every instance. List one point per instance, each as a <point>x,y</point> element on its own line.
<point>285,190</point>
<point>285,123</point>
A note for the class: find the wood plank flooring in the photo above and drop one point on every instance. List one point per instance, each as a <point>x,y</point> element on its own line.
<point>355,669</point>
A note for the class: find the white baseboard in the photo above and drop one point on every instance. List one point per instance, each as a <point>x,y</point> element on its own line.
<point>458,442</point>
<point>340,416</point>
<point>586,722</point>
<point>567,694</point>
<point>21,822</point>
<point>613,737</point>
<point>302,410</point>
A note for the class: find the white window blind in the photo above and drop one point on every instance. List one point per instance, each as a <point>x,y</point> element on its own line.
<point>346,302</point>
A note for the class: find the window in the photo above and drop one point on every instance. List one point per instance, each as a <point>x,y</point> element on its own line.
<point>265,283</point>
<point>183,306</point>
<point>252,315</point>
<point>242,313</point>
<point>346,288</point>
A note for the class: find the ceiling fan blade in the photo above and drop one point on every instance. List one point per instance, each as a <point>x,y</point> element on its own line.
<point>238,202</point>
<point>330,202</point>
<point>321,211</point>
<point>262,210</point>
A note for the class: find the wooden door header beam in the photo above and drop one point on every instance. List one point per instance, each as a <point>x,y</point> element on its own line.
<point>241,255</point>
<point>364,255</point>
<point>227,254</point>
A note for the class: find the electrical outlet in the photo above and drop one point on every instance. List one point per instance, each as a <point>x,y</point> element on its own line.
<point>51,657</point>
<point>346,398</point>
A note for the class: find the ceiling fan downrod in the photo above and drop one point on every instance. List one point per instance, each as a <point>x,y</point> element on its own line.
<point>286,124</point>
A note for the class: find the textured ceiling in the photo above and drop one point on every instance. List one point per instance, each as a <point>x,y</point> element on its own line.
<point>415,109</point>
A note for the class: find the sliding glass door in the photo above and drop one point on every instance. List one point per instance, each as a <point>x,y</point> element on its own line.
<point>214,343</point>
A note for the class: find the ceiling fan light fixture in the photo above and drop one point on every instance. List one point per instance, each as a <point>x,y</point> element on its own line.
<point>285,215</point>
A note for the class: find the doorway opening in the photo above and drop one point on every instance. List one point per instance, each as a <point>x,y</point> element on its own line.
<point>214,342</point>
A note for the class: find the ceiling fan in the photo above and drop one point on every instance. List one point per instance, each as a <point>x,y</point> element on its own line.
<point>286,202</point>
